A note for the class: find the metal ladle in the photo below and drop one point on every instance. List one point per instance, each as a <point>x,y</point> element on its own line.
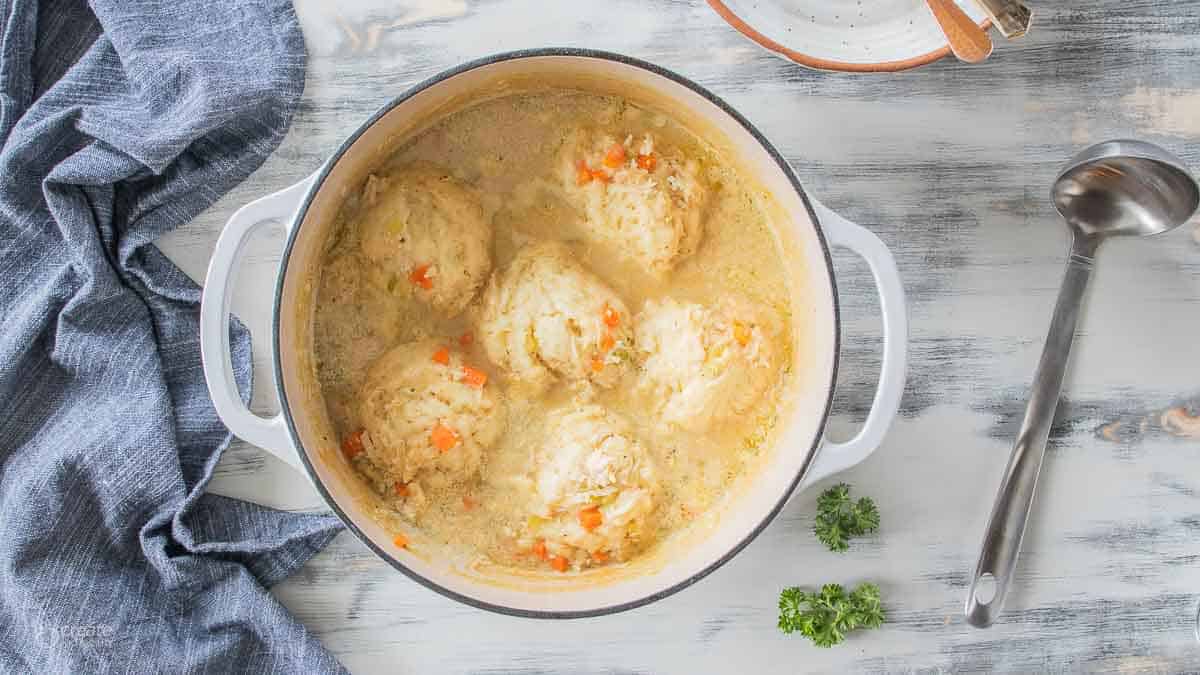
<point>1113,189</point>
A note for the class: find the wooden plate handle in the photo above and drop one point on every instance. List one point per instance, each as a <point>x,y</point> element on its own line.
<point>968,41</point>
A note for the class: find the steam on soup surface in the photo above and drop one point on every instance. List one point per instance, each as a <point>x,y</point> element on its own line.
<point>552,331</point>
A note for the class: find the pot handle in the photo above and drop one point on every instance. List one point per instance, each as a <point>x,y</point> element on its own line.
<point>268,433</point>
<point>835,457</point>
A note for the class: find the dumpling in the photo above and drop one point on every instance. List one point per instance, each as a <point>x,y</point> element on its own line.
<point>427,416</point>
<point>594,488</point>
<point>358,317</point>
<point>545,317</point>
<point>703,364</point>
<point>428,232</point>
<point>647,203</point>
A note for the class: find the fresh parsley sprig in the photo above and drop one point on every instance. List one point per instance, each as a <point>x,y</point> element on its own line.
<point>839,517</point>
<point>827,616</point>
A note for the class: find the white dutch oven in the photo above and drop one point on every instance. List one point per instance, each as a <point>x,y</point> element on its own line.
<point>301,435</point>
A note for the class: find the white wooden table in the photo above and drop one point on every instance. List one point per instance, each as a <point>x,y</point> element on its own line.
<point>950,165</point>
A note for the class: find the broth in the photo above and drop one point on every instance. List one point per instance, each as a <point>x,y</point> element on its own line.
<point>508,151</point>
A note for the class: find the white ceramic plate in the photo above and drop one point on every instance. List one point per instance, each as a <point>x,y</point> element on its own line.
<point>848,35</point>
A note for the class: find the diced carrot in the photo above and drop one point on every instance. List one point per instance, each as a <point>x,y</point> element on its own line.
<point>466,339</point>
<point>401,489</point>
<point>600,556</point>
<point>442,356</point>
<point>559,563</point>
<point>741,333</point>
<point>615,156</point>
<point>400,541</point>
<point>590,518</point>
<point>420,277</point>
<point>352,445</point>
<point>647,162</point>
<point>539,549</point>
<point>599,175</point>
<point>612,318</point>
<point>469,503</point>
<point>443,437</point>
<point>597,364</point>
<point>607,342</point>
<point>474,377</point>
<point>583,175</point>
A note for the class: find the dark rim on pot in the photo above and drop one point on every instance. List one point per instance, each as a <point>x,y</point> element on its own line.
<point>448,74</point>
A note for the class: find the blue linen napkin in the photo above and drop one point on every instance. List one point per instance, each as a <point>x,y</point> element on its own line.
<point>119,121</point>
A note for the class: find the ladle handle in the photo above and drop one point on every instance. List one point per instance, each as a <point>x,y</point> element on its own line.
<point>1006,526</point>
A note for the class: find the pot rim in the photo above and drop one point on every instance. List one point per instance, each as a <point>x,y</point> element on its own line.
<point>302,211</point>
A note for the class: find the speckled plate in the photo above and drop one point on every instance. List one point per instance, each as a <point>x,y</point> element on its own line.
<point>846,35</point>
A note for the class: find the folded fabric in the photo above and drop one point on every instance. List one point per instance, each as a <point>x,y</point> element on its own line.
<point>121,120</point>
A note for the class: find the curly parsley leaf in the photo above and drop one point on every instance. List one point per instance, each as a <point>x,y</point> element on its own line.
<point>839,517</point>
<point>825,617</point>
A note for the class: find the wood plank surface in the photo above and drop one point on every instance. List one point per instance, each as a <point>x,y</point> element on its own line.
<point>951,166</point>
